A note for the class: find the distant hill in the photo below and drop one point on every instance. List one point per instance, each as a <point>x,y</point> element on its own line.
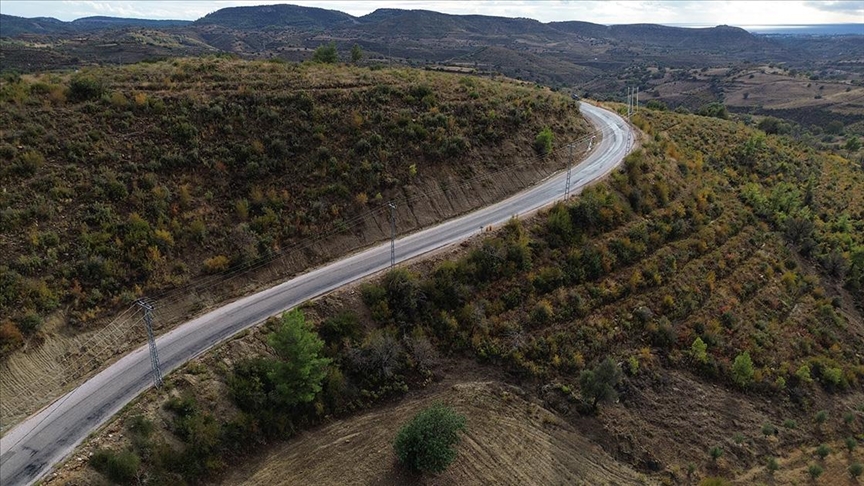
<point>262,17</point>
<point>571,54</point>
<point>93,23</point>
<point>722,36</point>
<point>426,22</point>
<point>412,23</point>
<point>12,26</point>
<point>583,29</point>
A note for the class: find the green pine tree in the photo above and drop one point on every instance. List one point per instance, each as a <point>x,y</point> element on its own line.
<point>298,374</point>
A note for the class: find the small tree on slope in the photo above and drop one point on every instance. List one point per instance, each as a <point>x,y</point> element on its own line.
<point>426,444</point>
<point>598,385</point>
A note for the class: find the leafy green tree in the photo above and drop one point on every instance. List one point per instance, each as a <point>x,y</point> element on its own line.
<point>426,444</point>
<point>742,369</point>
<point>821,417</point>
<point>356,53</point>
<point>85,88</point>
<point>851,443</point>
<point>543,142</point>
<point>560,225</point>
<point>822,451</point>
<point>853,144</point>
<point>404,296</point>
<point>598,385</point>
<point>834,128</point>
<point>297,375</point>
<point>773,125</point>
<point>326,54</point>
<point>716,110</point>
<point>342,326</point>
<point>699,350</point>
<point>803,374</point>
<point>856,469</point>
<point>656,105</point>
<point>815,470</point>
<point>772,466</point>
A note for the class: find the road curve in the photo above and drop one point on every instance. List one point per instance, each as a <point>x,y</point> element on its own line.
<point>30,449</point>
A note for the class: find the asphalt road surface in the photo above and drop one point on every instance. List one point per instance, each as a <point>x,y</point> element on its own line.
<point>28,451</point>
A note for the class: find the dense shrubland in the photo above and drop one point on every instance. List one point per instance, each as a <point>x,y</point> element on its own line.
<point>700,252</point>
<point>123,182</point>
<point>685,259</point>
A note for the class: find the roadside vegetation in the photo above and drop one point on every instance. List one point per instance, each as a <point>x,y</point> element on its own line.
<point>695,263</point>
<point>127,182</point>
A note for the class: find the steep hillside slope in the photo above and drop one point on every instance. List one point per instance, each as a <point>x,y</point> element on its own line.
<point>718,271</point>
<point>196,159</point>
<point>194,181</point>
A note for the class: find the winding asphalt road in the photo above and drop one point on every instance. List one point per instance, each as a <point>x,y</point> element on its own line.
<point>30,449</point>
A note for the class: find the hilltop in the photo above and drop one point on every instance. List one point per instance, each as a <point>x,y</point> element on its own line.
<point>275,16</point>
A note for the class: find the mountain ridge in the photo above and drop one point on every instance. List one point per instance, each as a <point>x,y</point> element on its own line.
<point>264,16</point>
<point>12,25</point>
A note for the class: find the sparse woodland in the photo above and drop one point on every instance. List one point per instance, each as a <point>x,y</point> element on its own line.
<point>718,257</point>
<point>125,182</point>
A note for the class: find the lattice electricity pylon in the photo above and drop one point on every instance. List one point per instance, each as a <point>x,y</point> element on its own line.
<point>154,353</point>
<point>569,170</point>
<point>392,235</point>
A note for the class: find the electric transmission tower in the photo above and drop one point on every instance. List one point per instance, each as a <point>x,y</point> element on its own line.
<point>631,97</point>
<point>570,165</point>
<point>569,170</point>
<point>628,103</point>
<point>392,234</point>
<point>154,353</point>
<point>632,101</point>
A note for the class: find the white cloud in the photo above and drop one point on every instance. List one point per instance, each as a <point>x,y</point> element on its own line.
<point>606,12</point>
<point>845,6</point>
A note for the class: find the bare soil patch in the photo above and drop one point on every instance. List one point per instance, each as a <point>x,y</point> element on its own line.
<point>511,439</point>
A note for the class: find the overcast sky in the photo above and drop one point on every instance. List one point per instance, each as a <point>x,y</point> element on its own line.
<point>605,12</point>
